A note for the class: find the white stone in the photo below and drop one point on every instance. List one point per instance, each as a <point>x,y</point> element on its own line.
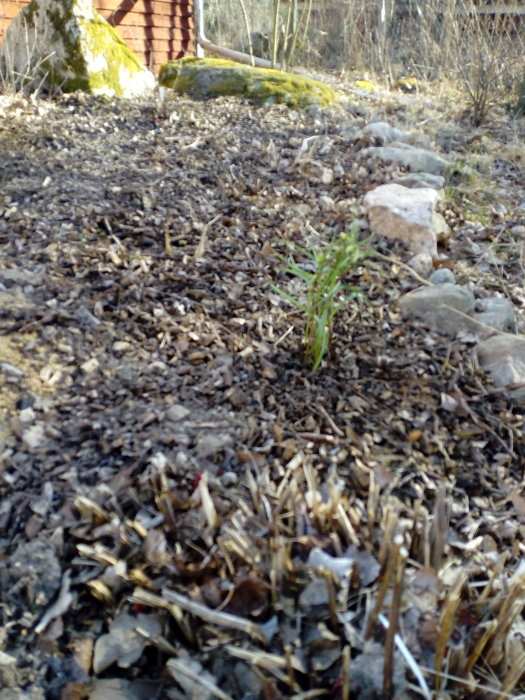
<point>34,436</point>
<point>73,48</point>
<point>503,357</point>
<point>396,212</point>
<point>422,263</point>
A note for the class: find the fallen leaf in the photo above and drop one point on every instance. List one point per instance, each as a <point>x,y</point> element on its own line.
<point>122,644</point>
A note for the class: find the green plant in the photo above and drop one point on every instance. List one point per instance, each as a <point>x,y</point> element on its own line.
<point>326,292</point>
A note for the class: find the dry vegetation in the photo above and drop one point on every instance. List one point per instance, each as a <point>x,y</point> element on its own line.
<point>483,53</point>
<point>188,511</point>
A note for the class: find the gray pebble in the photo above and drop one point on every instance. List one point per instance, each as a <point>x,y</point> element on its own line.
<point>442,275</point>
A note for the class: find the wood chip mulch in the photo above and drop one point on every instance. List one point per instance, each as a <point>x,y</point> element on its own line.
<point>187,511</point>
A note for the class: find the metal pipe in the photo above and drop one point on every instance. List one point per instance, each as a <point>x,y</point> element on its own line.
<point>203,44</point>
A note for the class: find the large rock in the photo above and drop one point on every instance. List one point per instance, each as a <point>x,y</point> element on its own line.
<point>397,212</point>
<point>417,160</point>
<point>443,308</point>
<point>212,77</point>
<point>448,308</point>
<point>68,45</point>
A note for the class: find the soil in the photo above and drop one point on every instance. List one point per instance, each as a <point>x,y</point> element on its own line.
<point>188,510</point>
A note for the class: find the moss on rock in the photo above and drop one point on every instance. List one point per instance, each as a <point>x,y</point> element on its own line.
<point>212,77</point>
<point>67,44</point>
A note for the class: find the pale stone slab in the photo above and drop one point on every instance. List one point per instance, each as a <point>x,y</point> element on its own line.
<point>396,212</point>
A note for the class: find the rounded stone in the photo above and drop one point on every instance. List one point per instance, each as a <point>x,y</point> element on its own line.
<point>442,275</point>
<point>421,263</point>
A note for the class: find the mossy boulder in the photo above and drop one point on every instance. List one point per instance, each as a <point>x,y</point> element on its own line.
<point>211,77</point>
<point>67,44</point>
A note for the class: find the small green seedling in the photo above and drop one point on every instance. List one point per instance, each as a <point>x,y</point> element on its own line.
<point>325,293</point>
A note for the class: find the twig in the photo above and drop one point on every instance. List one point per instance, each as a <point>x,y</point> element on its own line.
<point>221,619</point>
<point>411,662</point>
<point>321,410</point>
<point>180,666</point>
<point>397,261</point>
<point>448,618</point>
<point>345,673</point>
<point>385,582</point>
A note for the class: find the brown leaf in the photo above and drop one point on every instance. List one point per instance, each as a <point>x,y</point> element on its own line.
<point>249,597</point>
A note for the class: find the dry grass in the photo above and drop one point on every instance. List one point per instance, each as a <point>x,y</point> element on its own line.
<point>430,41</point>
<point>21,61</point>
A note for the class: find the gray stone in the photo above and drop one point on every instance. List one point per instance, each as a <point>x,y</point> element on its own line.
<point>177,412</point>
<point>417,160</point>
<point>417,140</point>
<point>503,357</point>
<point>396,212</point>
<point>437,182</point>
<point>442,275</point>
<point>381,133</point>
<point>350,130</point>
<point>496,312</point>
<point>73,48</point>
<point>443,308</point>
